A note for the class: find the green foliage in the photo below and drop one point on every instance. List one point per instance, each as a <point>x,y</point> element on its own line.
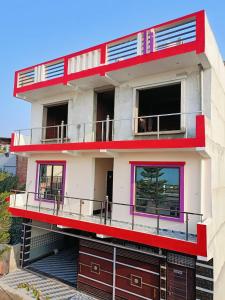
<point>5,219</point>
<point>31,288</point>
<point>7,182</point>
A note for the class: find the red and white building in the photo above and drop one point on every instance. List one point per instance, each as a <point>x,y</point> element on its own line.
<point>126,156</point>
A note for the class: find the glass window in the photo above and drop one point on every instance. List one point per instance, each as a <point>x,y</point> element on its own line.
<point>157,187</point>
<point>50,185</point>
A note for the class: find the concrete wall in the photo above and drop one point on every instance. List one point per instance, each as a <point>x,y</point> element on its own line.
<point>216,150</point>
<point>85,179</point>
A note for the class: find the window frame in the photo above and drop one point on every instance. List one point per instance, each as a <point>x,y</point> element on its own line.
<point>153,164</point>
<point>182,81</point>
<point>37,182</point>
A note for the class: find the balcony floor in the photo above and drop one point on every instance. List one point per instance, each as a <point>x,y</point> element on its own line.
<point>96,219</point>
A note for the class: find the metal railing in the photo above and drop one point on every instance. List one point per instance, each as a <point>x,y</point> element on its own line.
<point>171,34</point>
<point>174,125</point>
<point>107,213</point>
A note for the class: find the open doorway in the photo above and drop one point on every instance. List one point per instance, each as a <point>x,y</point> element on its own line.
<point>105,110</point>
<point>164,101</point>
<point>103,182</point>
<point>55,121</point>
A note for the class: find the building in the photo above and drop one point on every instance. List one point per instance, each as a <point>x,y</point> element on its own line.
<point>11,163</point>
<point>126,164</point>
<point>7,160</point>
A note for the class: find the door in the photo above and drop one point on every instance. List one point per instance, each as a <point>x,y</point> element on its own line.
<point>105,108</point>
<point>180,283</point>
<point>109,185</point>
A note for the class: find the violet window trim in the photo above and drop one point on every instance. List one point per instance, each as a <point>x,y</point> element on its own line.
<point>53,163</point>
<point>179,165</point>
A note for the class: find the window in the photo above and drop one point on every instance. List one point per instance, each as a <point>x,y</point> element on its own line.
<point>54,117</point>
<point>164,101</point>
<point>51,180</point>
<point>158,189</point>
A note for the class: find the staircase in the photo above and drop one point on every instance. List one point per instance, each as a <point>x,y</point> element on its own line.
<point>52,288</point>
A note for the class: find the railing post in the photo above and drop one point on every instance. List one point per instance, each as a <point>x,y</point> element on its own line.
<point>31,136</point>
<point>84,132</point>
<point>132,226</point>
<point>80,209</point>
<point>158,216</point>
<point>102,122</point>
<point>27,200</point>
<point>54,205</point>
<point>106,209</point>
<point>187,219</point>
<point>62,133</point>
<point>101,212</point>
<point>107,127</point>
<point>39,207</point>
<point>158,127</point>
<point>152,41</point>
<point>15,199</point>
<point>58,133</point>
<point>19,138</point>
<point>58,197</point>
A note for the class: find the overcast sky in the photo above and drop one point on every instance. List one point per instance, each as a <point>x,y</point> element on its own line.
<point>32,31</point>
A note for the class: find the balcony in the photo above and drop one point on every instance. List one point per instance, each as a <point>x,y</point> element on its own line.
<point>157,131</point>
<point>118,60</point>
<point>115,219</point>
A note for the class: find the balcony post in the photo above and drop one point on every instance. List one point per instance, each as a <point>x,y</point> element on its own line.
<point>132,217</point>
<point>19,138</point>
<point>80,213</point>
<point>187,219</point>
<point>84,133</point>
<point>158,126</point>
<point>106,209</point>
<point>107,128</point>
<point>27,200</point>
<point>54,205</point>
<point>62,133</point>
<point>158,216</point>
<point>58,134</point>
<point>101,212</point>
<point>31,131</point>
<point>14,198</point>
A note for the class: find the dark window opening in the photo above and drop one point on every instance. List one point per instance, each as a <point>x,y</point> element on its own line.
<point>161,100</point>
<point>56,116</point>
<point>157,190</point>
<point>105,109</point>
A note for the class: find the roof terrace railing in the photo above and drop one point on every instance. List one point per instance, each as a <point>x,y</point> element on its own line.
<point>108,213</point>
<point>155,39</point>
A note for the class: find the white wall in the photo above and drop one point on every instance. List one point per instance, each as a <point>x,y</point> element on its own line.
<point>192,186</point>
<point>84,179</point>
<point>79,180</point>
<point>81,108</point>
<point>102,166</point>
<point>216,150</point>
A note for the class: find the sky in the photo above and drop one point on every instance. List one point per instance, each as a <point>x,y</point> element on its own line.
<point>40,30</point>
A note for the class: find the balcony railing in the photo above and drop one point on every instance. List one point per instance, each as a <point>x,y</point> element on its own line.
<point>158,38</point>
<point>114,214</point>
<point>176,125</point>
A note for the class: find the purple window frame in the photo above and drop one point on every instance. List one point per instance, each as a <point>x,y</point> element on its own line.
<point>53,163</point>
<point>179,165</point>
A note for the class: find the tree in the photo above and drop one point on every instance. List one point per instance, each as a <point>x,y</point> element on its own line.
<point>5,219</point>
<point>150,189</point>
